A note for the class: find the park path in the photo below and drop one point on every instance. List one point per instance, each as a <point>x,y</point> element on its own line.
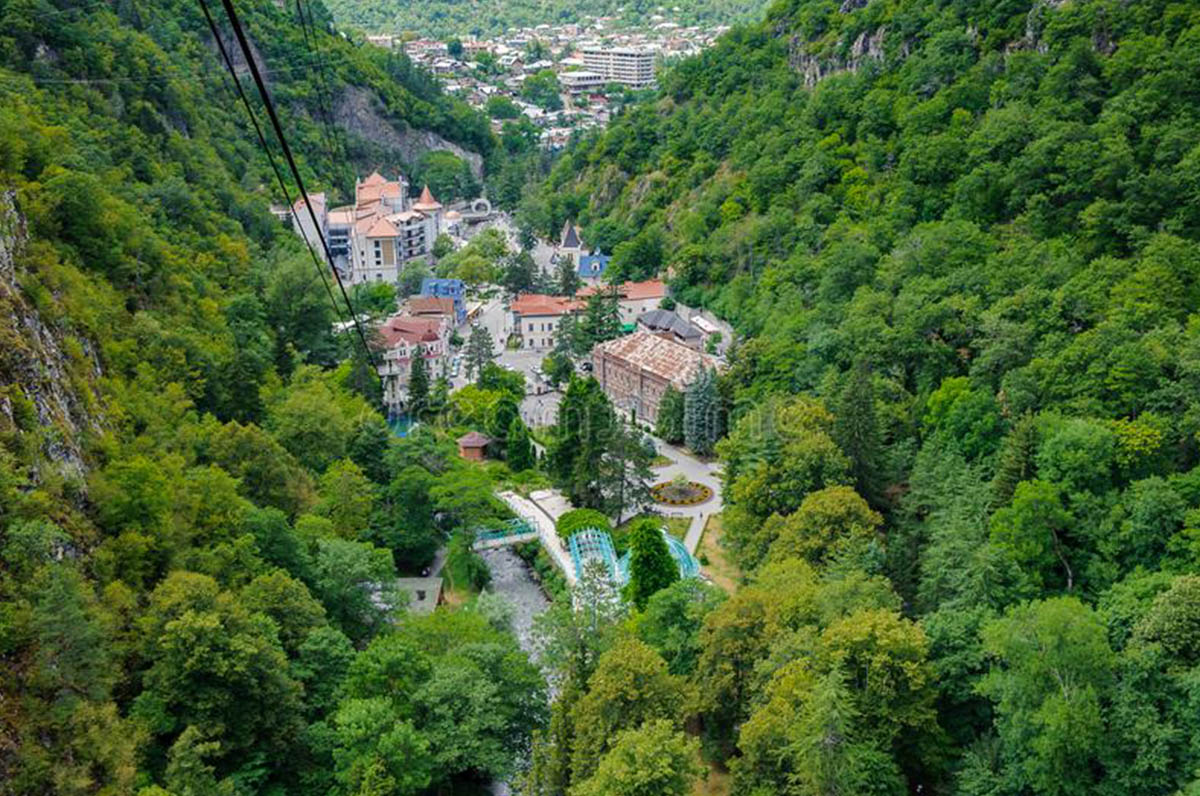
<point>693,469</point>
<point>543,520</point>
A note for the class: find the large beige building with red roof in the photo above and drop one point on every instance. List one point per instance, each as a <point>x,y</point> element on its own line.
<point>633,298</point>
<point>634,370</point>
<point>372,239</point>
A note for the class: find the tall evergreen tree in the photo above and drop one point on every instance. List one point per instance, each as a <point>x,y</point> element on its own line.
<point>1014,463</point>
<point>669,425</point>
<point>581,437</point>
<point>519,448</point>
<point>625,472</point>
<point>480,350</point>
<point>601,318</point>
<point>856,431</point>
<point>566,277</point>
<point>418,387</point>
<point>651,567</point>
<point>702,416</point>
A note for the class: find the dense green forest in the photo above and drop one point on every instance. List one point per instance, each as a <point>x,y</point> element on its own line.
<point>959,441</point>
<point>961,242</point>
<point>202,512</point>
<point>446,19</point>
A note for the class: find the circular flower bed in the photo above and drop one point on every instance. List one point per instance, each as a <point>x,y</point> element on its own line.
<point>680,493</point>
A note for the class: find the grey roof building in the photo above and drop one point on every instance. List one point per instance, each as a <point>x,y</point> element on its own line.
<point>667,323</point>
<point>424,594</point>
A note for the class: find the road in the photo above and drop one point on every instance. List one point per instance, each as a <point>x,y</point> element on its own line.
<point>536,410</point>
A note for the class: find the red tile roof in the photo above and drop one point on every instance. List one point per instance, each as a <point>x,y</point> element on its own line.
<point>382,229</point>
<point>431,305</point>
<point>537,304</point>
<point>473,439</point>
<point>634,291</point>
<point>410,329</point>
<point>664,358</point>
<point>427,202</point>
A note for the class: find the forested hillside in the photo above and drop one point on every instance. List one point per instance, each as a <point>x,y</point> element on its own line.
<point>201,511</point>
<point>444,19</point>
<point>962,243</point>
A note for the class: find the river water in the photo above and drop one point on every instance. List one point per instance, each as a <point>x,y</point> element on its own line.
<point>512,580</point>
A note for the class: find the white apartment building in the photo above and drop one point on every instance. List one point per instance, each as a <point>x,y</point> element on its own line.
<point>631,66</point>
<point>581,81</point>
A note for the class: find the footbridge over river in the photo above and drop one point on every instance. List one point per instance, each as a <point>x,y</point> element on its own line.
<point>535,521</point>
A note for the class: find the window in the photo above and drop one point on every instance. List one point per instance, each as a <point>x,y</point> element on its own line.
<point>531,327</point>
<point>378,277</point>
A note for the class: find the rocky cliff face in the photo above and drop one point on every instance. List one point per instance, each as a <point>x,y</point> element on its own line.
<point>356,112</point>
<point>815,67</point>
<point>39,398</point>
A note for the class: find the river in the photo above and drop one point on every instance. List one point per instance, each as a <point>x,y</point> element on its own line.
<point>512,580</point>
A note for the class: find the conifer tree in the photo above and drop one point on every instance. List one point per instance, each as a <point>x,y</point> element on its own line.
<point>1014,463</point>
<point>651,567</point>
<point>856,431</point>
<point>566,278</point>
<point>602,318</point>
<point>480,350</point>
<point>519,449</point>
<point>418,386</point>
<point>669,425</point>
<point>702,425</point>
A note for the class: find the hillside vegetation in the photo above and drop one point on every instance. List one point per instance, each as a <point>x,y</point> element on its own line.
<point>202,512</point>
<point>960,240</point>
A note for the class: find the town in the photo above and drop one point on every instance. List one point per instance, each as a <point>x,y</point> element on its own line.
<point>387,235</point>
<point>560,78</point>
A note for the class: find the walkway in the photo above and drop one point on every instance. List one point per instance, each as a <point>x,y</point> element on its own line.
<point>693,469</point>
<point>542,518</point>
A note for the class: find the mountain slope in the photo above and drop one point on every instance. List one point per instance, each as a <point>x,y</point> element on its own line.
<point>962,244</point>
<point>194,541</point>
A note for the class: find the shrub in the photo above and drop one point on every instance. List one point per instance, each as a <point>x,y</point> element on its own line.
<point>577,520</point>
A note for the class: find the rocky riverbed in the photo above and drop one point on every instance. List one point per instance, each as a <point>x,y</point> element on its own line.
<point>513,580</point>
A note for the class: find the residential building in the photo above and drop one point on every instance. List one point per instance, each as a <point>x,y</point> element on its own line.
<point>536,318</point>
<point>668,324</point>
<point>406,337</point>
<point>634,370</point>
<point>582,81</point>
<point>591,267</point>
<point>424,594</point>
<point>633,298</point>
<point>454,289</point>
<point>630,66</point>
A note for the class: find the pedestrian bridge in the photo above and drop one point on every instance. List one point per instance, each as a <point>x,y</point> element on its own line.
<point>585,547</point>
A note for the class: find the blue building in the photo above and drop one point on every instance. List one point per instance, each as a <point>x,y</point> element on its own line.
<point>447,288</point>
<point>591,266</point>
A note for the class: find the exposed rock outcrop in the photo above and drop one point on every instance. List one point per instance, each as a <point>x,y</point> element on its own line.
<point>817,66</point>
<point>356,112</point>
<point>36,372</point>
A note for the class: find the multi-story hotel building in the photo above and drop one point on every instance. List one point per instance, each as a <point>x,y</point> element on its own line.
<point>631,66</point>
